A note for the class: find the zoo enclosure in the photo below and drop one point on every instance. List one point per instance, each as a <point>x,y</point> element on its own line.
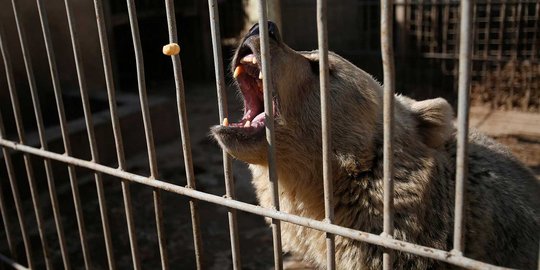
<point>20,145</point>
<point>505,67</point>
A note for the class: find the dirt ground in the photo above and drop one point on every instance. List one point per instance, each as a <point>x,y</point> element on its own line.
<point>255,236</point>
<point>525,148</point>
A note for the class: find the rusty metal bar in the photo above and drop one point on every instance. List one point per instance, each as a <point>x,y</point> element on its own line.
<point>90,132</point>
<point>387,52</point>
<point>322,32</point>
<point>111,97</point>
<point>152,159</point>
<point>463,122</point>
<point>7,157</point>
<point>14,101</point>
<point>268,91</point>
<point>440,255</point>
<point>223,113</point>
<point>184,132</point>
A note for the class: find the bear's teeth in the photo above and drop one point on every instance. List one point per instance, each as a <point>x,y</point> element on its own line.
<point>260,75</point>
<point>250,58</point>
<point>237,71</point>
<point>226,122</point>
<point>247,124</point>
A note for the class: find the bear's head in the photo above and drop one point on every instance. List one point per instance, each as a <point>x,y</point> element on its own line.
<point>355,105</point>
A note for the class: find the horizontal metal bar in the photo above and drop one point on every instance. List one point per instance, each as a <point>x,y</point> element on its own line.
<point>374,239</point>
<point>12,263</point>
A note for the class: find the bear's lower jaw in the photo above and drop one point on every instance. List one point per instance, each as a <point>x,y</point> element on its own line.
<point>244,143</point>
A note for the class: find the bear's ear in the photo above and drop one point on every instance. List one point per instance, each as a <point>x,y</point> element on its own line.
<point>434,120</point>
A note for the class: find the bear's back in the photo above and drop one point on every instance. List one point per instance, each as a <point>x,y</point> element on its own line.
<point>503,205</point>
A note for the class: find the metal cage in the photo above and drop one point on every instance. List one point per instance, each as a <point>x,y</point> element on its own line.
<point>20,145</point>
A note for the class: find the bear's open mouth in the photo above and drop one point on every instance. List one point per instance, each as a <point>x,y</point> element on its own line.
<point>247,73</point>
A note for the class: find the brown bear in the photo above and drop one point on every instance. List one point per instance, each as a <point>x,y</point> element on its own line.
<point>502,196</point>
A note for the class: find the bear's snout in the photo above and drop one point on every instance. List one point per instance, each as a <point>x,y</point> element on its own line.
<point>273,31</point>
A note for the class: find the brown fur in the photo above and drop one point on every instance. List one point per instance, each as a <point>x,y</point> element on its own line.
<point>503,197</point>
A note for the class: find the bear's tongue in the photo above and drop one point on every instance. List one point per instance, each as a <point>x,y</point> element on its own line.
<point>249,78</point>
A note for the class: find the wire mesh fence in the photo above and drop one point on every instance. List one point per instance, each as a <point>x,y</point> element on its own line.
<point>504,69</point>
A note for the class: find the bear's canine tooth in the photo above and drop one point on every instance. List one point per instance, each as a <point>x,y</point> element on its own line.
<point>260,75</point>
<point>237,71</point>
<point>247,124</point>
<point>225,122</point>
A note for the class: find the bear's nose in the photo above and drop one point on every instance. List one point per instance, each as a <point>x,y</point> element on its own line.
<point>273,31</point>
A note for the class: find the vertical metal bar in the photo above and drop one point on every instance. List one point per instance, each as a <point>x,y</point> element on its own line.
<point>445,26</point>
<point>35,101</point>
<point>223,113</point>
<point>7,223</point>
<point>65,136</point>
<point>539,258</point>
<point>63,129</point>
<point>486,40</point>
<point>7,157</point>
<point>535,42</point>
<point>517,26</point>
<point>147,129</point>
<point>184,132</point>
<point>433,27</point>
<point>500,43</point>
<point>463,122</point>
<point>419,20</point>
<point>326,130</point>
<point>90,132</point>
<point>107,67</point>
<point>388,124</point>
<point>270,137</point>
<point>12,263</point>
<point>402,32</point>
